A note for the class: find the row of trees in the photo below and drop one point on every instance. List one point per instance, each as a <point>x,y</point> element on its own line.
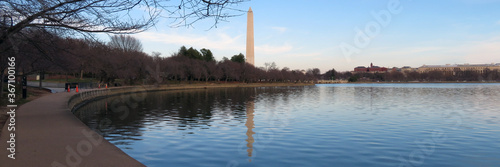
<point>37,50</point>
<point>24,26</point>
<point>185,67</point>
<point>431,76</point>
<point>122,58</point>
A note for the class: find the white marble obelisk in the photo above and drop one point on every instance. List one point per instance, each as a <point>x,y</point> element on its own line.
<point>250,46</point>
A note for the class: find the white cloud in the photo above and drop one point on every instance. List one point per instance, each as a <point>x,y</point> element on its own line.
<point>392,52</point>
<point>280,29</point>
<point>218,41</point>
<point>438,52</point>
<point>268,49</point>
<point>305,54</point>
<point>483,51</point>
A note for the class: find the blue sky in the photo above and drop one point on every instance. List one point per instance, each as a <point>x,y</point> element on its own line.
<point>302,34</point>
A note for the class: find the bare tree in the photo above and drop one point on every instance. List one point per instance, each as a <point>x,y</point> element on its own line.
<point>212,71</point>
<point>270,66</point>
<point>88,16</point>
<point>229,69</point>
<point>112,16</point>
<point>313,74</point>
<point>191,11</point>
<point>156,73</point>
<point>285,72</point>
<point>125,43</point>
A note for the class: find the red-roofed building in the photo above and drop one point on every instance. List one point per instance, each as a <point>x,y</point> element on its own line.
<point>370,69</point>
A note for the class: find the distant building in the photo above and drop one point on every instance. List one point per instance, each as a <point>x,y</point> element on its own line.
<point>372,69</point>
<point>394,69</point>
<point>360,69</point>
<point>408,69</point>
<point>479,68</point>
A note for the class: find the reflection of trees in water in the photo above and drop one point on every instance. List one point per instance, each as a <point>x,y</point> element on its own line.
<point>186,109</point>
<point>116,118</point>
<point>379,99</point>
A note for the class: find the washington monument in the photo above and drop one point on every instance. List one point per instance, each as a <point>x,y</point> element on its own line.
<point>250,46</point>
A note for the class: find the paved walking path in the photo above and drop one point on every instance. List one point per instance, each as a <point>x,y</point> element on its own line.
<point>53,87</point>
<point>48,134</point>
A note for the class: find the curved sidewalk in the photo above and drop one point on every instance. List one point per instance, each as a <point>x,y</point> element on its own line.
<point>48,134</point>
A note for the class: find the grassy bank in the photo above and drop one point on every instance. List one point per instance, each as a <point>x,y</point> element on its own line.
<point>71,80</point>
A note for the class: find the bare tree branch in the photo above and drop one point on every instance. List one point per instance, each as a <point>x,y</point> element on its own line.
<point>110,16</point>
<point>125,43</point>
<point>189,12</point>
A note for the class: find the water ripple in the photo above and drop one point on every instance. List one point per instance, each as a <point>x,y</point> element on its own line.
<point>324,125</point>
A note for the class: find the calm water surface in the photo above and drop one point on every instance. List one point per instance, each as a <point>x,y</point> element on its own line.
<point>323,125</point>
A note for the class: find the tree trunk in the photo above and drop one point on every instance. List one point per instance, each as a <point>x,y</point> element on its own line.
<point>1,84</point>
<point>40,81</point>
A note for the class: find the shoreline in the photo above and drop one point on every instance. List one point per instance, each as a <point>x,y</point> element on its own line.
<point>49,133</point>
<point>77,100</point>
<point>412,82</point>
<point>49,126</point>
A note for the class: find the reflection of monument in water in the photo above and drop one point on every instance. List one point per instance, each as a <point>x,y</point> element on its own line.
<point>250,125</point>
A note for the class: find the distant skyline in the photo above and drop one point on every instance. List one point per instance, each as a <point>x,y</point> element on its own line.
<point>307,34</point>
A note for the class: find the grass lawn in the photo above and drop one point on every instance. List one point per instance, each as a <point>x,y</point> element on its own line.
<point>63,80</point>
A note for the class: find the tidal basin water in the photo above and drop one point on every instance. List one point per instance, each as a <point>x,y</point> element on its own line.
<point>322,125</point>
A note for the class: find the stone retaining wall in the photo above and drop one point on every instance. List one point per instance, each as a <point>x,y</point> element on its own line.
<point>89,95</point>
